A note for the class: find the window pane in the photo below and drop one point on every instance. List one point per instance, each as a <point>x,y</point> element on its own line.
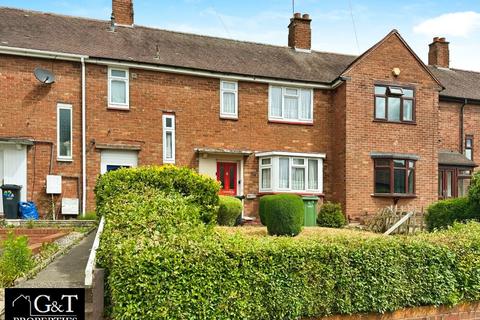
<point>118,73</point>
<point>305,108</point>
<point>411,180</point>
<point>399,163</point>
<point>313,174</point>
<point>382,180</point>
<point>399,181</point>
<point>118,91</point>
<point>266,161</point>
<point>222,176</point>
<point>169,145</point>
<point>395,90</point>
<point>231,177</point>
<point>449,183</point>
<point>65,131</point>
<point>266,178</point>
<point>440,184</point>
<point>380,90</point>
<point>380,108</point>
<point>382,162</point>
<point>168,122</point>
<point>291,91</point>
<point>408,93</point>
<point>299,162</point>
<point>407,110</point>
<point>229,85</point>
<point>276,101</point>
<point>284,173</point>
<point>291,107</point>
<point>298,178</point>
<point>229,102</point>
<point>393,109</point>
<point>468,154</point>
<point>468,143</point>
<point>463,185</point>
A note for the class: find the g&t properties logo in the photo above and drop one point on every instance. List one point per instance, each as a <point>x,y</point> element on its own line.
<point>44,304</point>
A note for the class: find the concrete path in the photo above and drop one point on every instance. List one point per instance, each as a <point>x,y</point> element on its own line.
<point>67,271</point>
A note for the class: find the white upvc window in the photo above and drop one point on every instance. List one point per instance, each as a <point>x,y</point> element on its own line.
<point>294,173</point>
<point>64,131</point>
<point>228,99</point>
<point>118,88</point>
<point>168,123</point>
<point>290,104</point>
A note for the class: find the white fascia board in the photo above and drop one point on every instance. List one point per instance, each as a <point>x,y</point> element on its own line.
<point>41,53</point>
<point>290,154</point>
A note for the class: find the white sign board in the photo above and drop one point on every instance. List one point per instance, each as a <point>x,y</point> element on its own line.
<point>70,206</point>
<point>54,184</point>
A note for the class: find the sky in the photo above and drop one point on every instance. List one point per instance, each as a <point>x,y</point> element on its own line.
<point>343,26</point>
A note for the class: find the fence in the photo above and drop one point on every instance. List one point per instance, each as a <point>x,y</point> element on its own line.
<point>397,220</point>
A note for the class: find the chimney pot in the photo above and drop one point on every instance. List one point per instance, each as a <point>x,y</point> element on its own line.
<point>300,32</point>
<point>123,12</point>
<point>439,53</point>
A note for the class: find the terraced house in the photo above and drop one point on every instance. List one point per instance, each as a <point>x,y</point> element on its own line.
<point>366,131</point>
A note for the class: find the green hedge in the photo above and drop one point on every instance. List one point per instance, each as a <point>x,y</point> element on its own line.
<point>445,212</point>
<point>284,214</point>
<point>261,209</point>
<point>198,189</point>
<point>331,216</point>
<point>229,209</point>
<point>216,275</point>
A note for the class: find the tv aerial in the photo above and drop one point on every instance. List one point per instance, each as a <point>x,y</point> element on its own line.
<point>44,76</point>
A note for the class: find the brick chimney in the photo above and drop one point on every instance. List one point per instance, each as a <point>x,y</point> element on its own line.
<point>122,12</point>
<point>299,32</point>
<point>439,54</point>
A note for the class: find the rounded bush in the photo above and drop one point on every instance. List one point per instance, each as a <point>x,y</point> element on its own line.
<point>284,214</point>
<point>198,189</point>
<point>262,204</point>
<point>331,216</point>
<point>228,211</point>
<point>445,212</point>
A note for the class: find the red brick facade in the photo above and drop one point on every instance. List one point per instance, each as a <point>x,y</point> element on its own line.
<point>343,124</point>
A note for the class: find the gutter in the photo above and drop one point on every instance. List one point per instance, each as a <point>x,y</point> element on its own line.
<point>462,129</point>
<point>40,53</point>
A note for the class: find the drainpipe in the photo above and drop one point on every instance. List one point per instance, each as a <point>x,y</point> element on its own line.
<point>462,111</point>
<point>84,143</point>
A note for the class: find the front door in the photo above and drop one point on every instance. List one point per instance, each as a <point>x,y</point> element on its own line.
<point>447,183</point>
<point>227,176</point>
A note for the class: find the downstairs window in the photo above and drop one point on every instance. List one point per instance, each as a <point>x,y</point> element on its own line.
<point>394,176</point>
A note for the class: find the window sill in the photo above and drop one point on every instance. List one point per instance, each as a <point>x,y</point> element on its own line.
<point>226,117</point>
<point>394,195</point>
<point>300,193</point>
<point>118,107</point>
<point>65,159</point>
<point>396,122</point>
<point>291,122</point>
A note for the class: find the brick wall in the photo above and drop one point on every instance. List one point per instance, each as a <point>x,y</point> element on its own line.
<point>363,135</point>
<point>466,311</point>
<point>449,125</point>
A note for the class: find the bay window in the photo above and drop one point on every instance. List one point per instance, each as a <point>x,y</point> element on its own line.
<point>290,172</point>
<point>290,104</point>
<point>394,176</point>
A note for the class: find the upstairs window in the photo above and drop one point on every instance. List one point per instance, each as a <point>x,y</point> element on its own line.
<point>64,131</point>
<point>118,95</point>
<point>394,176</point>
<point>228,99</point>
<point>394,104</point>
<point>168,138</point>
<point>290,104</point>
<point>469,147</point>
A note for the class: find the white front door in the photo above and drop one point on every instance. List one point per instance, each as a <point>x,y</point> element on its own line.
<point>115,159</point>
<point>13,168</point>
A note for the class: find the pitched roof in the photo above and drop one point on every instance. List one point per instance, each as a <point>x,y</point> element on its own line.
<point>454,158</point>
<point>51,32</point>
<point>458,83</point>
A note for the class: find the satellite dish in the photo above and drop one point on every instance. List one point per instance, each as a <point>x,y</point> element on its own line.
<point>44,76</point>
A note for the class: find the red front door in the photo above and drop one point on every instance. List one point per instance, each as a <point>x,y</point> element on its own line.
<point>227,176</point>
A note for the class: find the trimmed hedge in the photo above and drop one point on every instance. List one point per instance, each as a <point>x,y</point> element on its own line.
<point>261,209</point>
<point>198,189</point>
<point>230,208</point>
<point>284,214</point>
<point>445,212</point>
<point>331,216</point>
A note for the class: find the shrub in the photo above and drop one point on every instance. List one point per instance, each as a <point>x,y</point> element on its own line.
<point>228,211</point>
<point>198,189</point>
<point>16,259</point>
<point>331,216</point>
<point>445,212</point>
<point>284,214</point>
<point>261,209</point>
<point>207,275</point>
